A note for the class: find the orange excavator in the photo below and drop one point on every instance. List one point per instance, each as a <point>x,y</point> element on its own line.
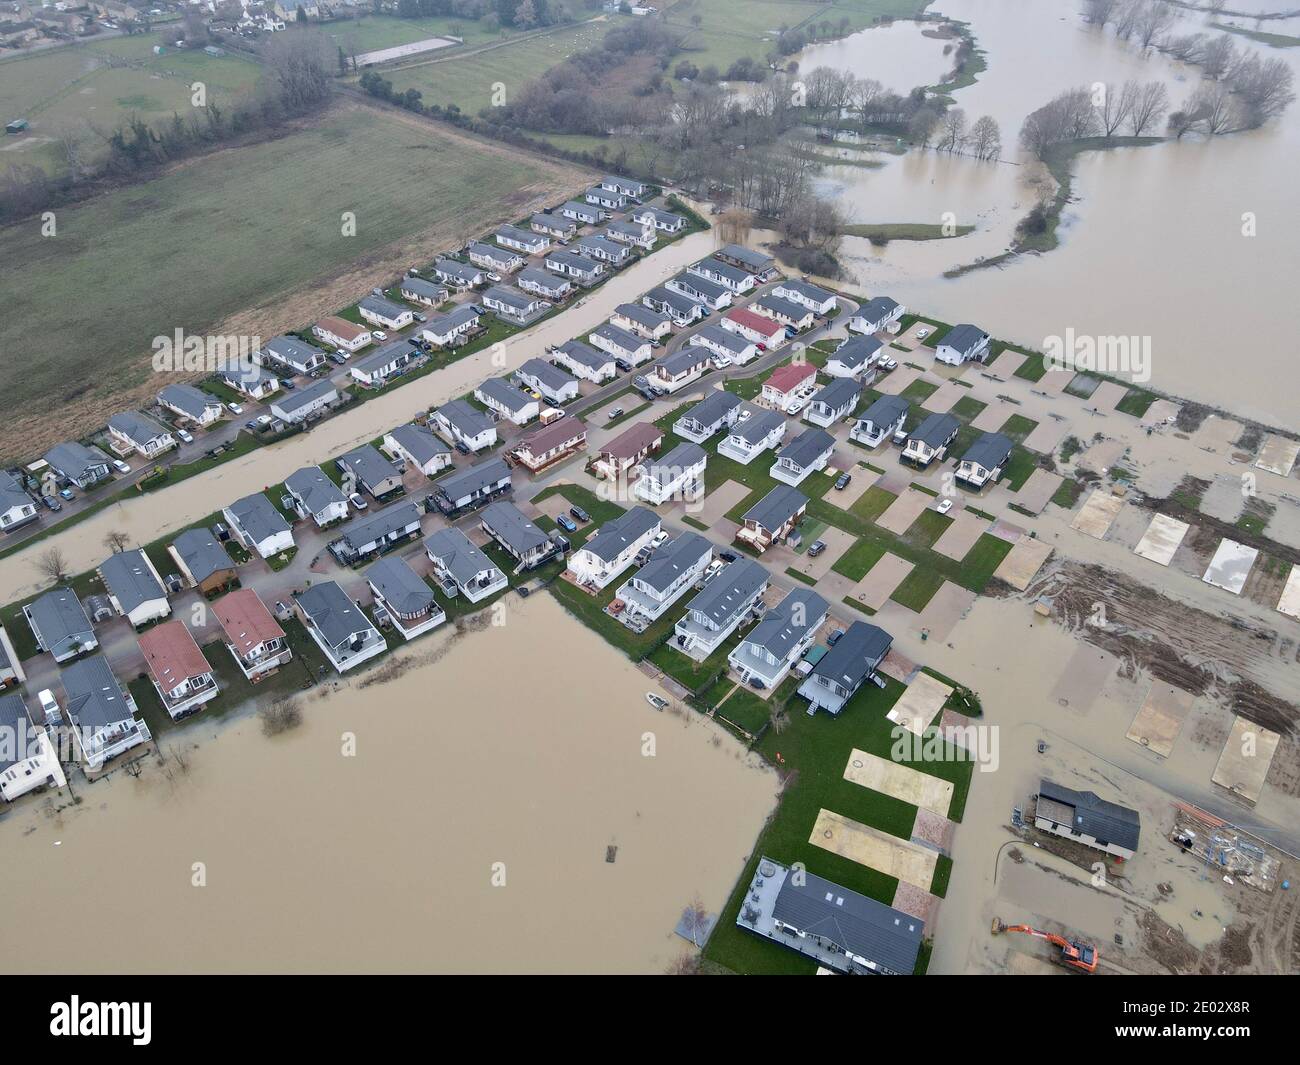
<point>1074,955</point>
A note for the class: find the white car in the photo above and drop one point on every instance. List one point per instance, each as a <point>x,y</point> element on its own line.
<point>944,506</point>
<point>921,334</point>
<point>744,415</point>
<point>659,538</point>
<point>721,362</point>
<point>121,466</point>
<point>235,408</point>
<point>184,435</point>
<point>379,334</point>
<point>796,405</point>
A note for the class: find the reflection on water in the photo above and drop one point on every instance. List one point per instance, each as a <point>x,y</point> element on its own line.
<point>900,56</point>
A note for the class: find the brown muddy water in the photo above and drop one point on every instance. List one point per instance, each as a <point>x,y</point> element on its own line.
<point>518,756</point>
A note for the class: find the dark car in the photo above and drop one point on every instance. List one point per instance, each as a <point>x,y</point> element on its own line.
<point>843,482</point>
<point>337,358</point>
<point>52,503</point>
<point>566,523</point>
<point>728,556</point>
<point>287,384</point>
<point>462,447</point>
<point>817,547</point>
<point>252,427</point>
<point>580,514</point>
<point>834,636</point>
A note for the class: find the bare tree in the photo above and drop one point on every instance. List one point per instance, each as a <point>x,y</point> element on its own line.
<point>985,138</point>
<point>735,224</point>
<point>1154,18</point>
<point>1213,109</point>
<point>1099,12</point>
<point>280,715</point>
<point>1149,106</point>
<point>1127,15</point>
<point>1263,88</point>
<point>54,564</point>
<point>1115,106</point>
<point>1068,116</point>
<point>952,130</point>
<point>1218,59</point>
<point>116,540</point>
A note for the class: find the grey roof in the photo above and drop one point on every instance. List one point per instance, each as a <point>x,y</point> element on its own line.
<point>756,260</point>
<point>678,301</point>
<point>458,555</point>
<point>128,577</point>
<point>474,478</point>
<point>503,392</point>
<point>808,290</point>
<point>503,256</point>
<point>73,459</point>
<point>586,210</point>
<point>293,349</point>
<point>717,266</point>
<point>466,417</point>
<point>202,555</point>
<point>94,696</point>
<point>558,222</point>
<point>711,289</point>
<point>248,376</point>
<point>461,270</point>
<point>511,525</point>
<point>542,278</point>
<point>574,260</point>
<point>368,464</point>
<point>628,186</point>
<point>839,393</point>
<point>551,376</point>
<point>613,538</point>
<point>781,628</point>
<point>660,215</point>
<point>807,447</point>
<point>580,351</point>
<point>857,924</point>
<point>642,315</point>
<point>15,726</point>
<point>725,338</point>
<point>990,451</point>
<point>936,429</point>
<point>453,319</point>
<point>305,396</point>
<point>886,411</point>
<point>335,615</point>
<point>136,426</point>
<point>511,297</point>
<point>522,235</point>
<point>400,585</point>
<point>420,287</point>
<point>777,507</point>
<point>314,489</point>
<point>1107,822</point>
<point>854,655</point>
<point>684,359</point>
<point>609,247</point>
<point>731,587</point>
<point>757,426</point>
<point>714,407</point>
<point>963,337</point>
<point>192,401</point>
<point>855,351</point>
<point>258,516</point>
<point>632,229</point>
<point>679,458</point>
<point>397,351</point>
<point>673,557</point>
<point>625,340</point>
<point>780,305</point>
<point>382,306</point>
<point>419,442</point>
<point>877,307</point>
<point>59,616</point>
<point>370,528</point>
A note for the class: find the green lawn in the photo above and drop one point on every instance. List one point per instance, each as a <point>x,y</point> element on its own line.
<point>372,32</point>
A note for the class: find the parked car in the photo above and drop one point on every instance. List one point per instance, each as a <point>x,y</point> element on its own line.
<point>796,405</point>
<point>337,358</point>
<point>185,436</point>
<point>566,523</point>
<point>659,538</point>
<point>251,425</point>
<point>377,292</point>
<point>712,571</point>
<point>221,532</point>
<point>888,364</point>
<point>287,384</point>
<point>344,355</point>
<point>722,361</point>
<point>816,548</point>
<point>462,447</point>
<point>356,500</point>
<point>379,334</point>
<point>52,503</point>
<point>580,514</point>
<point>418,316</point>
<point>493,277</point>
<point>842,482</point>
<point>922,333</point>
<point>121,466</point>
<point>834,636</point>
<point>945,506</point>
<point>264,419</point>
<point>235,408</point>
<point>728,556</point>
<point>67,494</point>
<point>617,412</point>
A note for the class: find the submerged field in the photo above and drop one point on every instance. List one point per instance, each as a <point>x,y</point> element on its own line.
<point>253,231</point>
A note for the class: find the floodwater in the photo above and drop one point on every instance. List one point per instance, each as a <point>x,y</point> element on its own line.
<point>492,764</point>
<point>1156,244</point>
<point>899,55</point>
<point>146,518</point>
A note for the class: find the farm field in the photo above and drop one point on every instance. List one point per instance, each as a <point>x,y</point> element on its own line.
<point>246,241</point>
<point>372,32</point>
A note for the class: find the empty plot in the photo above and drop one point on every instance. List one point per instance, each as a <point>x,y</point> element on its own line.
<point>941,402</point>
<point>1054,381</point>
<point>1161,412</point>
<point>898,380</point>
<point>1246,756</point>
<point>870,847</point>
<point>904,510</point>
<point>946,607</point>
<point>1290,601</point>
<point>837,542</point>
<point>960,536</point>
<point>1087,672</point>
<point>1108,394</point>
<point>1046,435</point>
<point>862,480</point>
<point>720,500</point>
<point>1162,538</point>
<point>1023,562</point>
<point>900,781</point>
<point>1158,722</point>
<point>1035,492</point>
<point>991,418</point>
<point>880,581</point>
<point>1278,455</point>
<point>1008,362</point>
<point>1230,566</point>
<point>1098,513</point>
<point>919,705</point>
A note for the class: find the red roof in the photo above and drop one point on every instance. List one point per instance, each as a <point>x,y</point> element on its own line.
<point>341,327</point>
<point>784,378</point>
<point>245,620</point>
<point>172,654</point>
<point>756,322</point>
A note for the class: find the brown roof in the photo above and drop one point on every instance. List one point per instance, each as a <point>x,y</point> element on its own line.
<point>341,327</point>
<point>560,431</point>
<point>633,441</point>
<point>245,620</point>
<point>172,654</point>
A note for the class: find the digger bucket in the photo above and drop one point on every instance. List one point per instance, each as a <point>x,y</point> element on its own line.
<point>998,926</point>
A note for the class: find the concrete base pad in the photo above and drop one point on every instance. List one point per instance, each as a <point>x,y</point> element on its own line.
<point>1023,562</point>
<point>1158,722</point>
<point>1099,511</point>
<point>1245,759</point>
<point>919,705</point>
<point>904,510</point>
<point>900,781</point>
<point>874,849</point>
<point>880,581</point>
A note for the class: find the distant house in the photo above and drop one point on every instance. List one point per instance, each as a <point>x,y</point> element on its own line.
<point>671,570</point>
<point>806,294</point>
<point>507,400</point>
<point>559,227</point>
<point>522,240</point>
<point>760,265</point>
<point>733,278</point>
<point>786,312</point>
<point>27,759</point>
<point>765,332</point>
<point>631,447</point>
<point>417,446</point>
<point>190,402</point>
<point>134,432</point>
<point>613,547</point>
<point>203,562</point>
<point>984,460</point>
<point>549,444</point>
<point>585,361</point>
<point>552,382</point>
<point>633,190</point>
<point>447,329</point>
<point>403,598</point>
<point>807,453</point>
<point>835,402</point>
<point>259,525</point>
<point>458,422</point>
<point>586,213</point>
<point>418,290</point>
<point>472,487</point>
<point>252,380</point>
<point>339,627</point>
<point>855,357</point>
<point>83,466</point>
<point>719,608</point>
<point>512,529</point>
<point>700,289</point>
<point>302,357</point>
<point>367,469</point>
<point>305,403</point>
<point>571,264</point>
<point>962,344</point>
<point>538,282</point>
<point>628,347</point>
<point>498,260</point>
<point>633,233</point>
<point>609,201</point>
<point>60,625</point>
<point>876,315</point>
<point>603,250</point>
<point>772,647</point>
<point>461,567</point>
<point>750,437</point>
<point>725,344</point>
<point>384,312</point>
<point>772,518</point>
<point>880,421</point>
<point>637,318</point>
<point>930,440</point>
<point>678,475</point>
<point>458,275</point>
<point>383,364</point>
<point>849,663</point>
<point>1086,818</point>
<point>717,411</point>
<point>683,367</point>
<point>683,310</point>
<point>182,676</point>
<point>512,304</point>
<point>134,587</point>
<point>315,496</point>
<point>377,532</point>
<point>101,712</point>
<point>664,221</point>
<point>787,383</point>
<point>253,637</point>
<point>348,336</point>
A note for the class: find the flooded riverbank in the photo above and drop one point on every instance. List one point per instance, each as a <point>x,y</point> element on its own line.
<point>385,860</point>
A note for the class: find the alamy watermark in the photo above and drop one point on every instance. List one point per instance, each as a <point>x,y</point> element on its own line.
<point>191,352</point>
<point>1128,355</point>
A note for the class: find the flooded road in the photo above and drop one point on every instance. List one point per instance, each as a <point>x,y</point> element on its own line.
<point>386,860</point>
